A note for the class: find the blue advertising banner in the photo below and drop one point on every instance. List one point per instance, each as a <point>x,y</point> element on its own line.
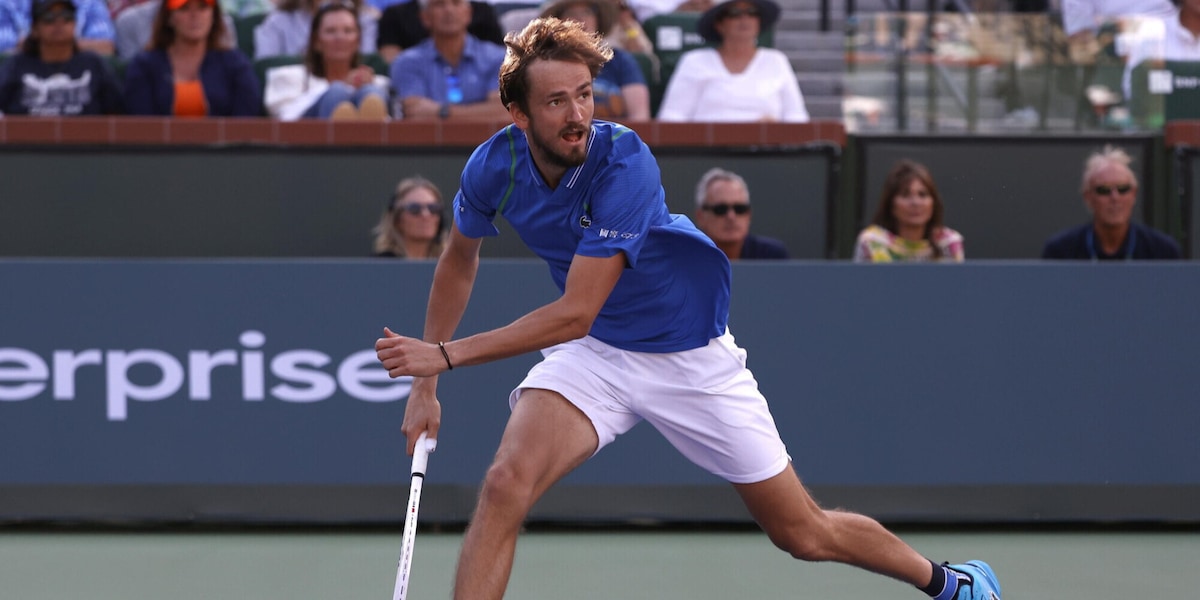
<point>248,390</point>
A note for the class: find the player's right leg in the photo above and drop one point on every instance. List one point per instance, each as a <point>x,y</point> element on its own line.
<point>546,437</point>
<point>796,524</point>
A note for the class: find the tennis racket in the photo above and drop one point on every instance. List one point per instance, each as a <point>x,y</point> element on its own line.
<point>419,462</point>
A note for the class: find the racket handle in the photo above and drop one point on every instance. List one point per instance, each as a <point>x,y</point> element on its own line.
<point>421,454</point>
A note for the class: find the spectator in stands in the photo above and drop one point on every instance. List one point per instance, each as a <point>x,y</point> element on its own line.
<point>93,25</point>
<point>187,71</point>
<point>1110,193</point>
<point>401,27</point>
<point>626,33</point>
<point>116,7</point>
<point>645,9</point>
<point>451,74</point>
<point>52,76</point>
<point>382,5</point>
<point>413,226</point>
<point>723,214</point>
<point>1085,17</point>
<point>629,35</point>
<point>135,24</point>
<point>736,81</point>
<point>908,222</point>
<point>619,92</point>
<point>284,32</point>
<point>333,82</point>
<point>232,9</point>
<point>1179,40</point>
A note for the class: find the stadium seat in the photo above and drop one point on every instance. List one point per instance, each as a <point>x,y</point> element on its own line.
<point>1165,91</point>
<point>651,73</point>
<point>376,62</point>
<point>245,32</point>
<point>1183,102</point>
<point>262,65</point>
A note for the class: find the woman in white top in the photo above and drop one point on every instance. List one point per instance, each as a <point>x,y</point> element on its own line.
<point>284,30</point>
<point>736,81</point>
<point>333,81</point>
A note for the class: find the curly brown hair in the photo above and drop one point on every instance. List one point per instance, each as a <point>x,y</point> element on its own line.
<point>547,39</point>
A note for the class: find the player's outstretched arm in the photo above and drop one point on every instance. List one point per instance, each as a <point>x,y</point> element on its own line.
<point>453,280</point>
<point>590,280</point>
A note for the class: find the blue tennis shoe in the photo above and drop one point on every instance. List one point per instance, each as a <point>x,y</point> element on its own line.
<point>977,581</point>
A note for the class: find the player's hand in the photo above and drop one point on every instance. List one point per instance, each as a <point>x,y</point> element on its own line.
<point>408,356</point>
<point>360,76</point>
<point>423,413</point>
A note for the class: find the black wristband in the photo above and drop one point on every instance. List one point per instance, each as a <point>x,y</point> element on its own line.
<point>445,355</point>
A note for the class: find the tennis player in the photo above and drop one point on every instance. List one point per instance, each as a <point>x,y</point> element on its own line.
<point>639,332</point>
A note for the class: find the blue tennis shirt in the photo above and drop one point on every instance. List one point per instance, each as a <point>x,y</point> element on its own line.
<point>674,293</point>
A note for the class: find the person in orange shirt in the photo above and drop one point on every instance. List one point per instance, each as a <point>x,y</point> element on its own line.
<point>188,71</point>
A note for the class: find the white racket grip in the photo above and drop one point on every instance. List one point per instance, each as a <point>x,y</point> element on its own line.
<point>421,454</point>
<point>404,566</point>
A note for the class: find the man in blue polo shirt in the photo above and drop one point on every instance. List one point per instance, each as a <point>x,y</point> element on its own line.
<point>1110,192</point>
<point>451,74</point>
<point>638,334</point>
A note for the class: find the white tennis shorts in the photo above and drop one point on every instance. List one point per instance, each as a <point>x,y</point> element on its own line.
<point>705,401</point>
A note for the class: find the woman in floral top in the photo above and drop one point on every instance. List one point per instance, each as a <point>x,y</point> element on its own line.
<point>908,223</point>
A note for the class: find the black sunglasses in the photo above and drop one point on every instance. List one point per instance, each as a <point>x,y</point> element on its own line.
<point>723,209</point>
<point>740,12</point>
<point>416,208</point>
<point>1104,190</point>
<point>55,16</point>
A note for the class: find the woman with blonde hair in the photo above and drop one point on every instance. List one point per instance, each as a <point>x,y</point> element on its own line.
<point>413,226</point>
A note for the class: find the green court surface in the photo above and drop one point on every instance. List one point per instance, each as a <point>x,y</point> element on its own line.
<point>585,565</point>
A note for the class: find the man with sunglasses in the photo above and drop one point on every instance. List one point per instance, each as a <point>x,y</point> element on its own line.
<point>1110,193</point>
<point>51,76</point>
<point>723,214</point>
<point>93,25</point>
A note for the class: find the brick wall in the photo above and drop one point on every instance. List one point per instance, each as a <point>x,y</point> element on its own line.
<point>167,131</point>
